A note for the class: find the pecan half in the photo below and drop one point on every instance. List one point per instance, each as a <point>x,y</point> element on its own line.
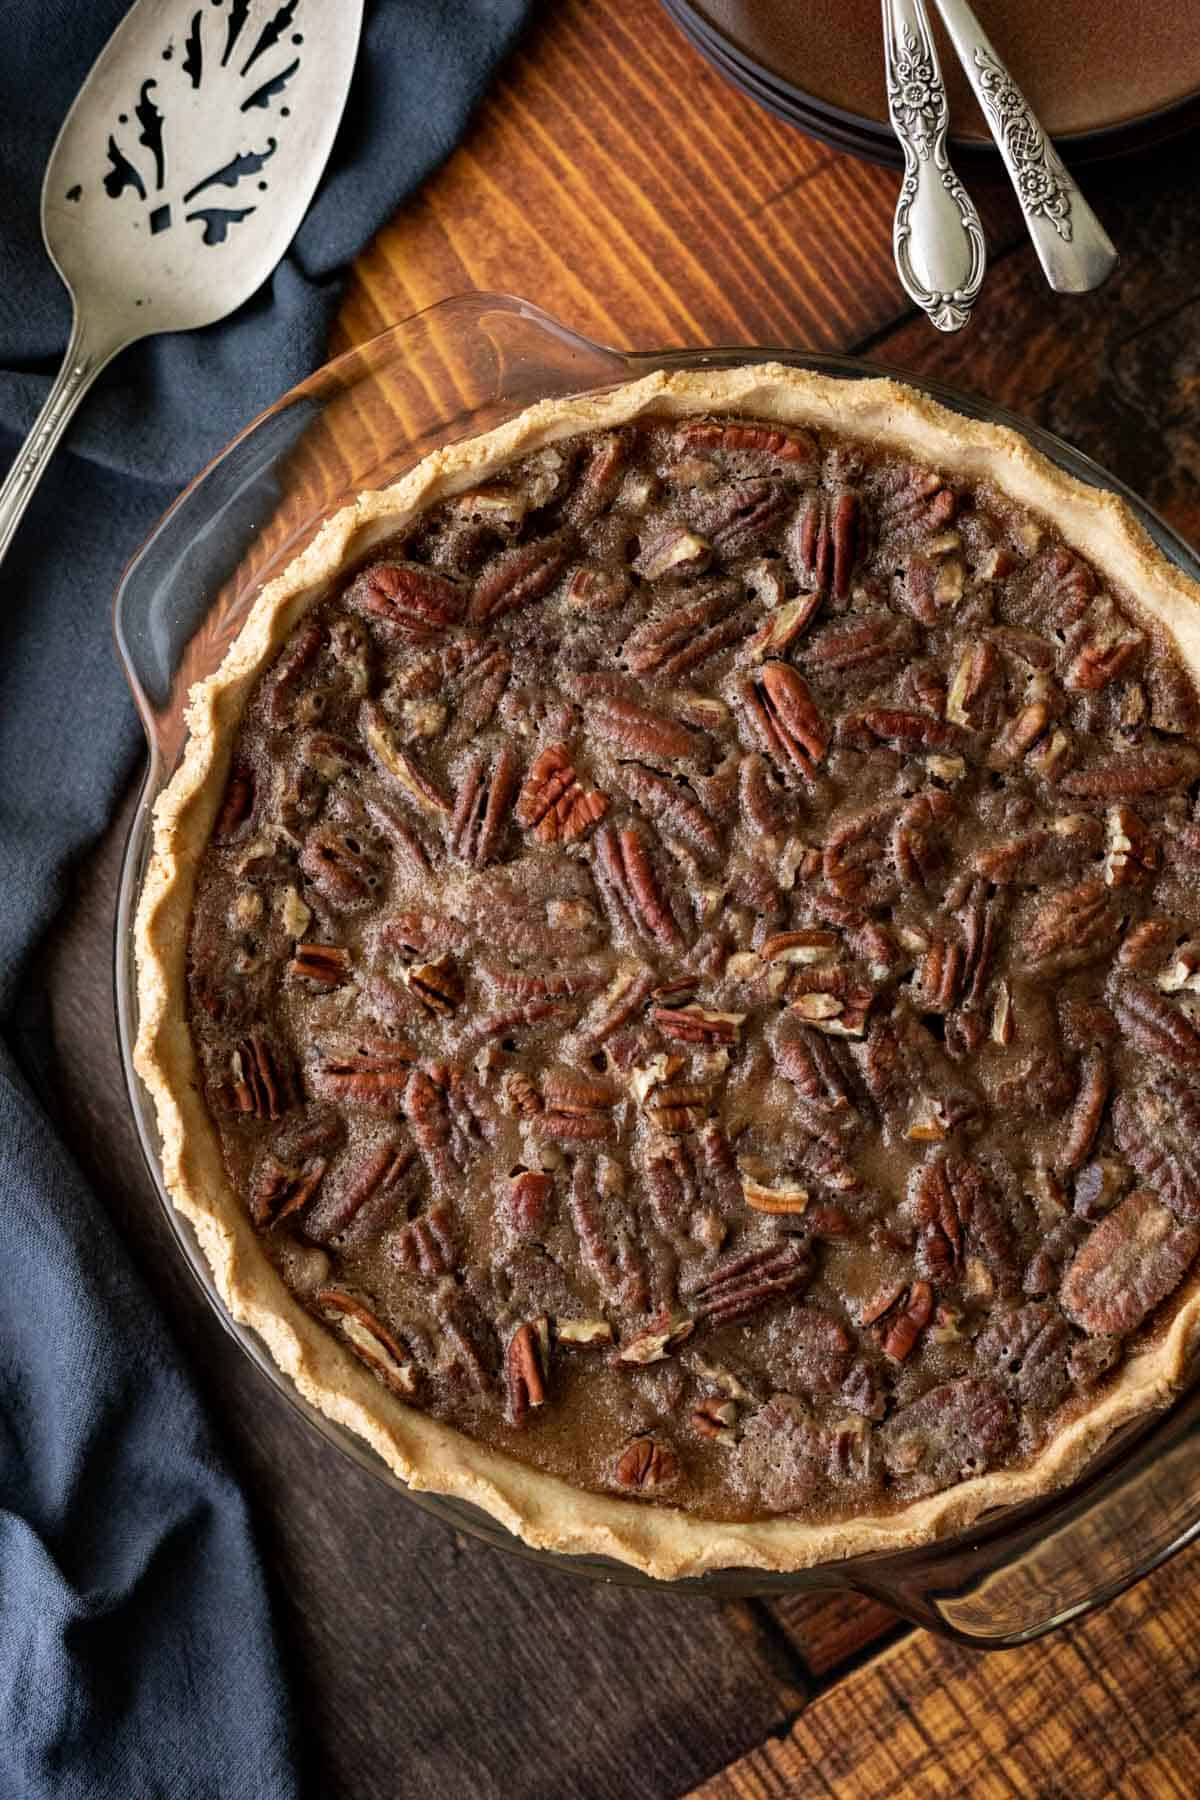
<point>646,1466</point>
<point>791,446</point>
<point>553,803</point>
<point>673,810</point>
<point>1153,1025</point>
<point>257,1088</point>
<point>689,634</point>
<point>515,577</point>
<point>376,1185</point>
<point>482,807</point>
<point>1123,777</point>
<point>636,731</point>
<point>370,1074</point>
<point>905,1321</point>
<point>1128,1265</point>
<point>237,805</point>
<point>370,1341</point>
<point>1072,927</point>
<point>1090,1100</point>
<point>526,1367</point>
<point>627,881</point>
<point>864,644</point>
<point>338,867</point>
<point>696,1024</point>
<point>783,721</point>
<point>525,1204</point>
<point>746,1284</point>
<point>409,600</point>
<point>1158,1132</point>
<point>824,542</point>
<point>427,1245</point>
<point>575,1109</point>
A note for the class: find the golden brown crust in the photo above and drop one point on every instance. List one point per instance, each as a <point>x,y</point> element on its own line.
<point>541,1509</point>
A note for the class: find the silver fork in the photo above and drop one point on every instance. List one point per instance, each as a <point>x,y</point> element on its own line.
<point>1075,251</point>
<point>937,239</point>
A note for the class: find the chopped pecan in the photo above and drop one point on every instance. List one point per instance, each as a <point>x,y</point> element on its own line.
<point>1099,647</point>
<point>526,1365</point>
<point>427,1245</point>
<point>655,1340</point>
<point>1128,1265</point>
<point>325,965</point>
<point>395,761</point>
<point>291,665</point>
<point>1098,1187</point>
<point>646,1466</point>
<point>903,1324</point>
<point>675,551</point>
<point>553,803</point>
<point>1132,852</point>
<point>409,600</point>
<point>824,542</point>
<point>715,1419</point>
<point>746,1284</point>
<point>237,805</point>
<point>515,577</point>
<point>976,670</point>
<point>592,589</point>
<point>280,1190</point>
<point>696,1024</point>
<point>781,1199</point>
<point>370,1341</point>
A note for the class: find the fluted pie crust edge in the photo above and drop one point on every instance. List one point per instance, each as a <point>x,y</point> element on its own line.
<point>544,1511</point>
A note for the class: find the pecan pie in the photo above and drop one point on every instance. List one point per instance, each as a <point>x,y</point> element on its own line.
<point>671,971</point>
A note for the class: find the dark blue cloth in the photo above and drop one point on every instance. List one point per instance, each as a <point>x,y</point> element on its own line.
<point>136,1653</point>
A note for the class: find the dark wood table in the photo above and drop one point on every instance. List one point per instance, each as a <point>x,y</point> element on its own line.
<point>612,177</point>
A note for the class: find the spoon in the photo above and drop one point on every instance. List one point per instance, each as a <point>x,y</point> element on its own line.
<point>179,178</point>
<point>937,238</point>
<point>1075,251</point>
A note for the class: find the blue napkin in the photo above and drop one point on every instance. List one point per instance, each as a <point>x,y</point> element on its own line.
<point>136,1650</point>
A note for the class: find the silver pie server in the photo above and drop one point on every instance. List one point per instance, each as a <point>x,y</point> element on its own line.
<point>180,177</point>
<point>1075,251</point>
<point>937,239</point>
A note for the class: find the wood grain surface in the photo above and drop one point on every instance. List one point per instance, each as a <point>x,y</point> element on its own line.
<point>614,179</point>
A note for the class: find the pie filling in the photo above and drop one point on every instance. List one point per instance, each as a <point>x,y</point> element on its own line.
<point>695,970</point>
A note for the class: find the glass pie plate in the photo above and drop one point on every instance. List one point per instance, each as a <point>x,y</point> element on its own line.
<point>455,370</point>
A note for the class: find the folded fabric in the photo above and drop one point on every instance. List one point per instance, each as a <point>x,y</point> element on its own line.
<point>132,1605</point>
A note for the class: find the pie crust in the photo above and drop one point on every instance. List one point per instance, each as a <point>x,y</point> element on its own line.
<point>546,1512</point>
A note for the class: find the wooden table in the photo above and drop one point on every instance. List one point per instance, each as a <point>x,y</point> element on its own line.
<point>611,176</point>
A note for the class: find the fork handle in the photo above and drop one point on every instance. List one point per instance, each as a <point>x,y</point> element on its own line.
<point>1075,251</point>
<point>80,366</point>
<point>937,239</point>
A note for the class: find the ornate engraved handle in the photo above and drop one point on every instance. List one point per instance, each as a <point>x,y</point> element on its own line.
<point>937,239</point>
<point>1075,251</point>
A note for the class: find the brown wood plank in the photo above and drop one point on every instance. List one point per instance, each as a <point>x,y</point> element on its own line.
<point>1111,1705</point>
<point>612,177</point>
<point>827,1630</point>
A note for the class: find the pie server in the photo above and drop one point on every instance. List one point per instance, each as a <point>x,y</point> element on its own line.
<point>179,178</point>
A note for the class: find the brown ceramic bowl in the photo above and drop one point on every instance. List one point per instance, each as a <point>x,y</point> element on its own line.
<point>1105,76</point>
